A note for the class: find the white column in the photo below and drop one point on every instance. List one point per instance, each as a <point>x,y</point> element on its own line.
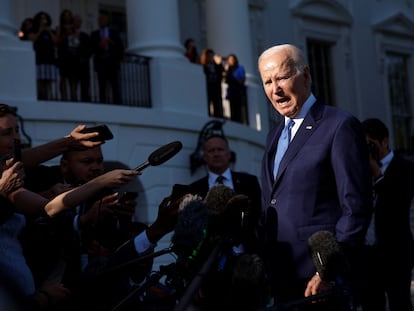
<point>228,30</point>
<point>7,29</point>
<point>17,60</point>
<point>153,28</point>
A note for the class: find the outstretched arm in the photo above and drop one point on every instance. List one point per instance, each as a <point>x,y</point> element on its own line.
<point>28,202</point>
<point>39,154</point>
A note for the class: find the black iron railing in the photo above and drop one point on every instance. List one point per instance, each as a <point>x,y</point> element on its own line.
<point>134,83</point>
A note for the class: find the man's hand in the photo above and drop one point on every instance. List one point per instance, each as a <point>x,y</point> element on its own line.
<point>166,220</point>
<point>316,285</point>
<point>54,294</point>
<point>81,140</point>
<point>12,177</point>
<point>125,208</point>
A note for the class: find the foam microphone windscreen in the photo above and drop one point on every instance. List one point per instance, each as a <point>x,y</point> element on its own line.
<point>237,209</point>
<point>326,255</point>
<point>161,155</point>
<point>191,226</point>
<point>217,198</point>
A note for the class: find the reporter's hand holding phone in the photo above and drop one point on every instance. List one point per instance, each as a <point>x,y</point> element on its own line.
<point>83,137</point>
<point>167,214</point>
<point>126,204</point>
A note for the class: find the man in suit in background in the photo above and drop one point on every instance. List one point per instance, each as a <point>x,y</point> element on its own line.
<point>217,156</point>
<point>322,182</point>
<point>107,50</point>
<point>390,249</point>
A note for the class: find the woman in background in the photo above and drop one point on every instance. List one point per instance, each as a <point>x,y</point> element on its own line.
<point>236,90</point>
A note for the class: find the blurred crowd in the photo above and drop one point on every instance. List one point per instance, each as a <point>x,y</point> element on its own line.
<point>221,74</point>
<point>63,54</point>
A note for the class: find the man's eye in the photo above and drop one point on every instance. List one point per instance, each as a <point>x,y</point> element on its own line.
<point>286,77</point>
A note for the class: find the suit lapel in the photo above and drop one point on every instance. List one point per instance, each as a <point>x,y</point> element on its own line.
<point>236,182</point>
<point>306,129</point>
<point>272,151</point>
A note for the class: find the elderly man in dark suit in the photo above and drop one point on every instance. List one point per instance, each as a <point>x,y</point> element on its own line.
<point>390,249</point>
<point>321,182</point>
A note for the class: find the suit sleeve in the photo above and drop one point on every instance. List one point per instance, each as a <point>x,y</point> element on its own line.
<point>350,162</point>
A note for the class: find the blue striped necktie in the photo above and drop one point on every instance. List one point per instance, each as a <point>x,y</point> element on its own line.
<point>282,145</point>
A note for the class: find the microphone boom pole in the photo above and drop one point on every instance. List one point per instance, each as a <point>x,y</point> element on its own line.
<point>196,282</point>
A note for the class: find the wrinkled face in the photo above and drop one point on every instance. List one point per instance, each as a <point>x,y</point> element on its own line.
<point>217,155</point>
<point>9,130</point>
<point>285,86</point>
<point>81,166</point>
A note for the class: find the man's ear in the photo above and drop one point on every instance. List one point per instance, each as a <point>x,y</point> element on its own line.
<point>385,143</point>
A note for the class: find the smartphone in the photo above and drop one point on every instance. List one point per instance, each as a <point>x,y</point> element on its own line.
<point>17,150</point>
<point>127,196</point>
<point>103,130</point>
<point>178,191</point>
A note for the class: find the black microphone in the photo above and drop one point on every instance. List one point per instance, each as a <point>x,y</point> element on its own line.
<point>191,228</point>
<point>161,155</point>
<point>229,213</point>
<point>189,243</point>
<point>328,258</point>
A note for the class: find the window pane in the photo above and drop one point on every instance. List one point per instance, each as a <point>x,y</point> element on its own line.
<point>320,62</point>
<point>400,101</point>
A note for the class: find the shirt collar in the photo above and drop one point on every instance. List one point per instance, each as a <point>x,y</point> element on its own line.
<point>303,111</point>
<point>385,161</point>
<point>212,176</point>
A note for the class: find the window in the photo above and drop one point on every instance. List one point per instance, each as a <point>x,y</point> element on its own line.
<point>320,62</point>
<point>397,70</point>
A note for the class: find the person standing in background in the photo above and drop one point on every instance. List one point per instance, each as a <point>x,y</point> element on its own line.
<point>26,32</point>
<point>235,77</point>
<point>81,46</point>
<point>191,51</point>
<point>213,70</point>
<point>107,50</point>
<point>44,43</point>
<point>390,248</point>
<point>66,62</point>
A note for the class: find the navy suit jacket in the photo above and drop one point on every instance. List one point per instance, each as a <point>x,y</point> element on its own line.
<point>323,183</point>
